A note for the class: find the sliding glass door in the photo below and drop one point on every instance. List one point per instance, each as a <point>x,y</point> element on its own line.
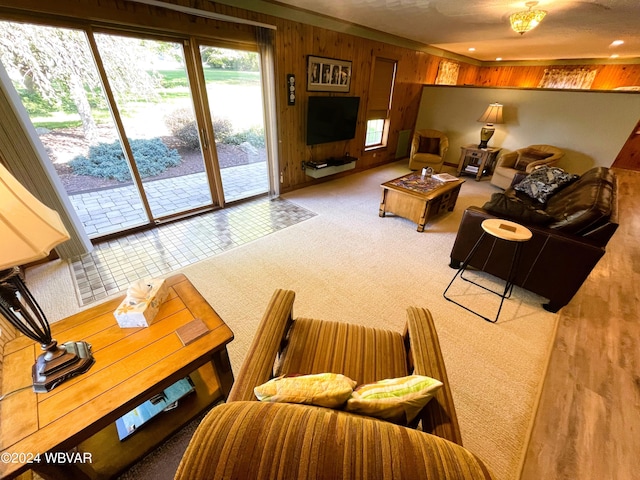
<point>157,115</point>
<point>233,88</point>
<point>116,116</point>
<point>54,74</point>
<point>126,121</point>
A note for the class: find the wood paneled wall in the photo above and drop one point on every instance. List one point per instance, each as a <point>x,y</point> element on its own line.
<point>294,41</point>
<point>607,78</point>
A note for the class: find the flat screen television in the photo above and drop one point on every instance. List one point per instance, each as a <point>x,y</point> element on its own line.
<point>331,119</point>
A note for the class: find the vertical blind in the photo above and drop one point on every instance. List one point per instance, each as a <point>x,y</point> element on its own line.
<point>265,39</point>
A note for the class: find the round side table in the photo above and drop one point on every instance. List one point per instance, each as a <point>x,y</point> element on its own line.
<point>504,230</point>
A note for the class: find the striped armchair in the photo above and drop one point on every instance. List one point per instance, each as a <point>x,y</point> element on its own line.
<point>245,438</point>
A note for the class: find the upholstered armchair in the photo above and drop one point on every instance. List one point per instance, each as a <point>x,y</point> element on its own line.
<point>428,149</point>
<point>246,438</point>
<point>523,160</point>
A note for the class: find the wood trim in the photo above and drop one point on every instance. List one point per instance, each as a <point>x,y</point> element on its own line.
<point>204,13</point>
<point>629,156</point>
<point>124,15</point>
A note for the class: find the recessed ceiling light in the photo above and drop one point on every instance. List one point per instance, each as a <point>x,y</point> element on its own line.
<point>498,59</point>
<point>472,49</point>
<point>615,55</point>
<point>616,43</point>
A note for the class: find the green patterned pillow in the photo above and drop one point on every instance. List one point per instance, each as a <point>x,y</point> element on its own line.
<point>398,400</point>
<point>329,390</point>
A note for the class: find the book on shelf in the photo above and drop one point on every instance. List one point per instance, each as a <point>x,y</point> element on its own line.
<point>167,400</point>
<point>471,168</point>
<point>444,177</point>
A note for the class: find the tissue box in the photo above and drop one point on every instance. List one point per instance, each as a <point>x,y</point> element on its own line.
<point>140,312</point>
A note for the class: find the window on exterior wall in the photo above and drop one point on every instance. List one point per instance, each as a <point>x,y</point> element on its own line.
<point>379,106</point>
<point>375,130</point>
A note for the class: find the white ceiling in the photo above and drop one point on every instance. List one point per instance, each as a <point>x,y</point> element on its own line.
<point>571,29</point>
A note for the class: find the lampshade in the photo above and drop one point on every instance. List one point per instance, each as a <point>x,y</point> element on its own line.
<point>526,20</point>
<point>492,115</point>
<point>28,229</point>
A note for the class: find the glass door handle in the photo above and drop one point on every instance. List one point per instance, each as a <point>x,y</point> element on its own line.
<point>203,138</point>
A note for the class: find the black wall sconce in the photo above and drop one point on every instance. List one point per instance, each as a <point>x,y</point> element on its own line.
<point>291,89</point>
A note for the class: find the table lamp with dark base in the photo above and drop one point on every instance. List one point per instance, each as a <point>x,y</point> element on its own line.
<point>28,232</point>
<point>491,116</point>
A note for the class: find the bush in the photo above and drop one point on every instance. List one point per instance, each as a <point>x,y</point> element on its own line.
<point>254,136</point>
<point>182,125</point>
<point>222,129</point>
<point>106,160</point>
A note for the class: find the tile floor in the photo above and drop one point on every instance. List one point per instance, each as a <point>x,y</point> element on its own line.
<point>115,264</point>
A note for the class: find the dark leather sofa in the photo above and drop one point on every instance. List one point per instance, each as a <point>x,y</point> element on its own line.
<point>570,233</point>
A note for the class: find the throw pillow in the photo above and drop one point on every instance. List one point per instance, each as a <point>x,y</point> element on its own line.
<point>528,155</point>
<point>429,145</point>
<point>544,181</point>
<point>510,206</point>
<point>398,400</point>
<point>329,390</point>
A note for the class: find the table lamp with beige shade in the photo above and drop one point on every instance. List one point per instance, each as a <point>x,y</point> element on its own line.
<point>491,116</point>
<point>28,232</point>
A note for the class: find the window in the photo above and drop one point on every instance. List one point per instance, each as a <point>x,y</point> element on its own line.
<point>384,72</point>
<point>375,129</point>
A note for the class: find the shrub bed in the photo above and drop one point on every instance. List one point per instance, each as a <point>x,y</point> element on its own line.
<point>106,160</point>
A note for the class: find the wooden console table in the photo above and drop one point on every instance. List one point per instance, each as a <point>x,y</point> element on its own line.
<point>131,366</point>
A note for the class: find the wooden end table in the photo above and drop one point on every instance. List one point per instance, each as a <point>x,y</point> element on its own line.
<point>477,161</point>
<point>131,366</point>
<point>417,198</point>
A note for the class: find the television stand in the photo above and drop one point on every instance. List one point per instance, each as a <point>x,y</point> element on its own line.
<point>330,166</point>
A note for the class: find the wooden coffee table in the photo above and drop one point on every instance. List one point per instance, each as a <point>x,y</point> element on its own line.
<point>417,198</point>
<point>131,366</point>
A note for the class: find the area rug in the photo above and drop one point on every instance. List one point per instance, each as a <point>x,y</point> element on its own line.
<point>348,264</point>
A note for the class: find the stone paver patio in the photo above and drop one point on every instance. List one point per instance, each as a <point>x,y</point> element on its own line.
<point>113,209</point>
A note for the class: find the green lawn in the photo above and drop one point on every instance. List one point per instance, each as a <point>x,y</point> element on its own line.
<point>178,78</point>
<point>174,84</point>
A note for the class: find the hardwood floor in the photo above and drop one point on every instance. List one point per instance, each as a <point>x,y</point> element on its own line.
<point>588,422</point>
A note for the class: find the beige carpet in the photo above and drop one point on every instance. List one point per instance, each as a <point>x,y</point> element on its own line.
<point>349,264</point>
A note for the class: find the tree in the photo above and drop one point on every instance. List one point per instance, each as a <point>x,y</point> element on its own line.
<point>57,63</point>
<point>225,59</point>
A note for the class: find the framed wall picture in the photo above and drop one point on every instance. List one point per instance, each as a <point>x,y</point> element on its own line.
<point>447,73</point>
<point>328,75</point>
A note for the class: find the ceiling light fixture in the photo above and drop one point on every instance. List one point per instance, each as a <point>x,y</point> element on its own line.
<point>526,20</point>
